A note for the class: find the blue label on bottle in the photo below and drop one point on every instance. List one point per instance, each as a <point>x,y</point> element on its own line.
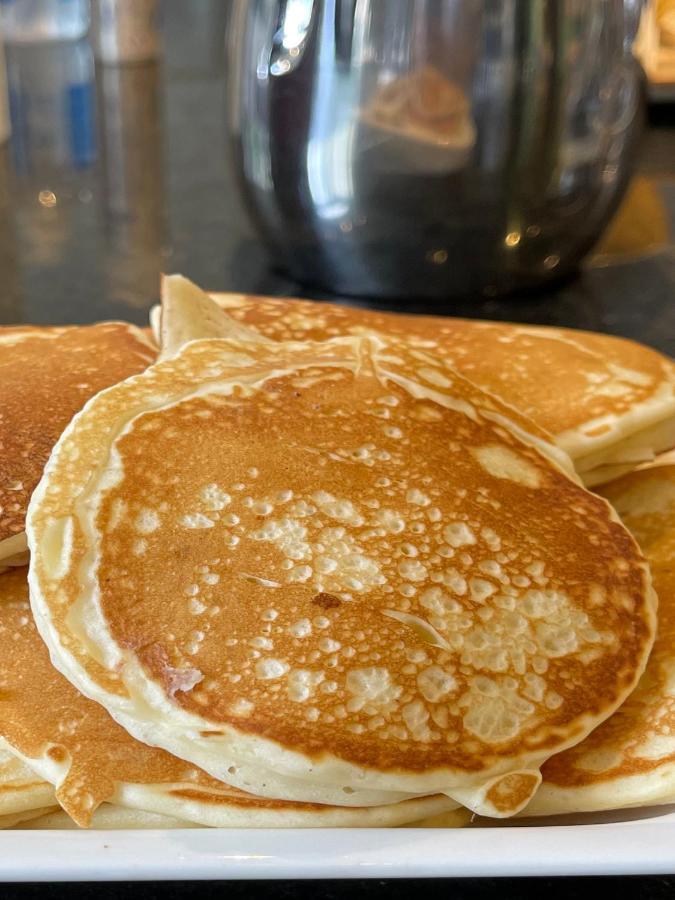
<point>82,130</point>
<point>19,136</point>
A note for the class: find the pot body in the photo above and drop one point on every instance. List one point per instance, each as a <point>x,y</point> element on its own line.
<point>432,148</point>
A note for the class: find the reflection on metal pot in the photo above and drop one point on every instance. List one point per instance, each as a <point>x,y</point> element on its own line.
<point>431,147</point>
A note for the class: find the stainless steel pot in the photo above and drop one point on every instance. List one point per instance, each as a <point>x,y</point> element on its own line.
<point>432,148</point>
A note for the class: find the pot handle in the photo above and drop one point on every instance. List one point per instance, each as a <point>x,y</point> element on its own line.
<point>632,13</point>
<point>290,39</point>
<point>344,29</point>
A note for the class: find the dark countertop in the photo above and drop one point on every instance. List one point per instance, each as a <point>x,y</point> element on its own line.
<point>84,236</point>
<point>650,888</point>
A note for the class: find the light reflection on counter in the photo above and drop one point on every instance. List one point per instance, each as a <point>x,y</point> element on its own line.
<point>133,183</point>
<point>86,173</point>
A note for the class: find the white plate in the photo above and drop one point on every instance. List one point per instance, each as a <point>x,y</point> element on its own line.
<point>641,846</point>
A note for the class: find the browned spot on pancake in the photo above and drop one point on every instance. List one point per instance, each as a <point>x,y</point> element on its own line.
<point>14,787</point>
<point>512,792</point>
<point>244,801</point>
<point>326,601</point>
<point>596,432</point>
<point>58,754</point>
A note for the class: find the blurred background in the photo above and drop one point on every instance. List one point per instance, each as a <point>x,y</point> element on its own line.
<point>116,164</point>
<point>114,170</point>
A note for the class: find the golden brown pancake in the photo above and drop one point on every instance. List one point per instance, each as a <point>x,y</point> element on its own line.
<point>75,745</point>
<point>609,402</point>
<point>645,501</point>
<point>340,566</point>
<point>630,759</point>
<point>46,376</point>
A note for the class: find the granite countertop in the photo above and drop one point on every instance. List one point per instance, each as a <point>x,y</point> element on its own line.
<point>86,229</point>
<point>146,187</point>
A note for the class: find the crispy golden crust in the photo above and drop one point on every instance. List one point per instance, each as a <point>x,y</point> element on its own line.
<point>639,739</point>
<point>47,375</point>
<point>100,752</point>
<point>42,710</point>
<point>645,500</point>
<point>349,554</point>
<point>575,384</point>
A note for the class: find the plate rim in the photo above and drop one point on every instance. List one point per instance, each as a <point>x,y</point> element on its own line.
<point>637,847</point>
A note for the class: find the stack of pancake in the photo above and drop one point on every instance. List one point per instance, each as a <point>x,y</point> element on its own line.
<point>298,565</point>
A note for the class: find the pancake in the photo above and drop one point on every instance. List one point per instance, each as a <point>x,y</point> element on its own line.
<point>107,817</point>
<point>21,790</point>
<point>630,759</point>
<point>188,314</point>
<point>469,609</point>
<point>46,376</point>
<point>74,744</point>
<point>609,402</point>
<point>14,820</point>
<point>645,501</point>
<point>456,818</point>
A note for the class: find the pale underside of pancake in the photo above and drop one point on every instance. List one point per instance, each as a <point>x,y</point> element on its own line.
<point>73,743</point>
<point>378,577</point>
<point>456,818</point>
<point>21,790</point>
<point>107,817</point>
<point>187,314</point>
<point>113,818</point>
<point>609,402</point>
<point>630,759</point>
<point>14,820</point>
<point>46,376</point>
